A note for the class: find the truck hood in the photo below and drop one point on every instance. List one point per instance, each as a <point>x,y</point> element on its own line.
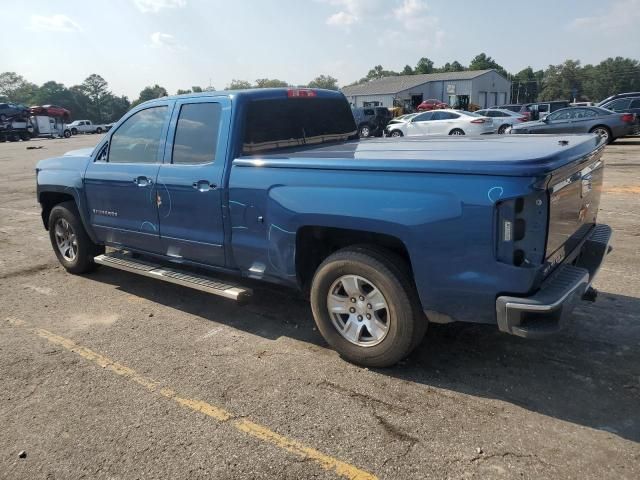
<point>517,155</point>
<point>75,160</point>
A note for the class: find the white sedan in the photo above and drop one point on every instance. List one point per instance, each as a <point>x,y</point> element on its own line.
<point>442,122</point>
<point>503,119</point>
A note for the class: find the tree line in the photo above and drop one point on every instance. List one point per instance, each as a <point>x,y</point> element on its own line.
<point>93,100</point>
<point>565,81</point>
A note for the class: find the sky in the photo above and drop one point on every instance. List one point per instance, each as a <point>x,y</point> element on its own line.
<point>181,43</point>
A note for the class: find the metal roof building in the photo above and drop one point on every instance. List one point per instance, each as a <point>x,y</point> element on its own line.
<point>485,88</point>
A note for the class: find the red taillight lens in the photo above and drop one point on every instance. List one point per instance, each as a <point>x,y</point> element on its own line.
<point>478,120</point>
<point>300,92</point>
<point>627,117</point>
<point>523,119</point>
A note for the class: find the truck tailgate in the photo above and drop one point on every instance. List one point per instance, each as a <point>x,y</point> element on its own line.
<point>574,198</point>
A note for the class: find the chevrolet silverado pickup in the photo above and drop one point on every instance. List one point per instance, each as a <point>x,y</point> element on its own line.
<point>212,189</point>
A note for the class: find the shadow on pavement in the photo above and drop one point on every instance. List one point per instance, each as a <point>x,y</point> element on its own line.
<point>588,375</point>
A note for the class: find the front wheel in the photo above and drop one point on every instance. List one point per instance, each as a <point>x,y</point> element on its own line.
<point>366,307</point>
<point>365,131</point>
<point>67,134</point>
<point>456,131</point>
<point>98,130</point>
<point>70,241</point>
<point>74,131</point>
<point>396,134</point>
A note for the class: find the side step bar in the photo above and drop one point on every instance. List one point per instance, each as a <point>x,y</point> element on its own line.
<point>127,262</point>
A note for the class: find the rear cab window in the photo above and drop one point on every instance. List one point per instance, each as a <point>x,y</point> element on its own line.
<point>273,124</point>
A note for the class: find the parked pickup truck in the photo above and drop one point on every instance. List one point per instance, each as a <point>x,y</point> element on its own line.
<point>85,126</point>
<point>383,235</point>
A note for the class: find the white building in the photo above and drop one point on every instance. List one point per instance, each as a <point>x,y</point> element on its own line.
<point>485,88</point>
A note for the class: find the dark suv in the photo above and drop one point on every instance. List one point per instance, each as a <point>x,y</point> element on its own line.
<point>617,96</point>
<point>535,111</point>
<point>624,104</point>
<point>371,121</point>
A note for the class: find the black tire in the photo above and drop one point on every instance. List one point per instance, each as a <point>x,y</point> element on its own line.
<point>365,131</point>
<point>395,134</point>
<point>503,128</point>
<point>86,249</point>
<point>25,137</point>
<point>3,117</point>
<point>456,131</point>
<point>391,276</point>
<point>74,131</point>
<point>66,134</point>
<point>98,130</point>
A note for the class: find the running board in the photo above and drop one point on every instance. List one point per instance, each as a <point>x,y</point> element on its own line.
<point>127,262</point>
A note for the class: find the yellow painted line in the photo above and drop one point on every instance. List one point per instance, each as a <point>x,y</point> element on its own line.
<point>219,414</point>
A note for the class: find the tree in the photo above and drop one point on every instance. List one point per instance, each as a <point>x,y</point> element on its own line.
<point>182,92</point>
<point>150,93</point>
<point>407,70</point>
<point>454,66</point>
<point>238,85</point>
<point>324,81</point>
<point>562,81</point>
<point>196,89</point>
<point>270,83</point>
<point>484,62</point>
<point>424,65</point>
<point>526,85</point>
<point>15,88</point>
<point>97,91</point>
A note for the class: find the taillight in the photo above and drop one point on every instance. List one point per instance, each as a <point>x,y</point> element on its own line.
<point>517,219</point>
<point>301,92</point>
<point>478,120</point>
<point>627,117</point>
<point>523,119</point>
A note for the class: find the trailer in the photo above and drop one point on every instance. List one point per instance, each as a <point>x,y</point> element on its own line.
<point>25,128</point>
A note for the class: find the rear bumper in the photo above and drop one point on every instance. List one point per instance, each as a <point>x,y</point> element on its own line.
<point>542,313</point>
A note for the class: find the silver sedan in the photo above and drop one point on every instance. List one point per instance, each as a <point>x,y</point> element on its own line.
<point>442,122</point>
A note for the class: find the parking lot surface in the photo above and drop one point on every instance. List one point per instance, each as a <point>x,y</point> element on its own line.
<point>115,376</point>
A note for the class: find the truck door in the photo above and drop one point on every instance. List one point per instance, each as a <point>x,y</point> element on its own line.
<point>120,183</point>
<point>190,181</point>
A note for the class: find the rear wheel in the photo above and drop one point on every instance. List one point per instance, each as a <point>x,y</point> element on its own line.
<point>365,131</point>
<point>70,241</point>
<point>503,129</point>
<point>66,134</point>
<point>456,131</point>
<point>602,132</point>
<point>74,131</point>
<point>366,307</point>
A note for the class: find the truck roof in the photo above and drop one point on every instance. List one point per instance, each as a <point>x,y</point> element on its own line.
<point>251,94</point>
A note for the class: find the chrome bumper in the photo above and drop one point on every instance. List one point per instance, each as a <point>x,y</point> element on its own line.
<point>542,313</point>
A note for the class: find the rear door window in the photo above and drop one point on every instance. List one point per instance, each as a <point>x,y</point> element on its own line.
<point>281,123</point>
<point>635,103</point>
<point>196,137</point>
<point>619,105</point>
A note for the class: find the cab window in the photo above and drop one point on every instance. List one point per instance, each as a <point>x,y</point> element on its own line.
<point>139,138</point>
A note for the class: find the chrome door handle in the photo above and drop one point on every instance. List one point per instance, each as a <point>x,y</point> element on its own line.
<point>204,186</point>
<point>142,181</point>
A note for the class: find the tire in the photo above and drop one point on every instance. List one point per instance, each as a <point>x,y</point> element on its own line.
<point>70,242</point>
<point>503,129</point>
<point>66,134</point>
<point>98,130</point>
<point>395,134</point>
<point>364,131</point>
<point>25,137</point>
<point>456,131</point>
<point>74,131</point>
<point>603,131</point>
<point>3,117</point>
<point>371,274</point>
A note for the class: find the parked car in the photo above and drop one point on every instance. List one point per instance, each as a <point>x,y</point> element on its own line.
<point>431,104</point>
<point>384,236</point>
<point>626,105</point>
<point>442,122</point>
<point>605,123</point>
<point>85,126</point>
<point>51,111</point>
<point>539,110</point>
<point>617,96</point>
<point>502,119</point>
<point>403,118</point>
<point>371,120</point>
<point>11,110</point>
<point>514,107</point>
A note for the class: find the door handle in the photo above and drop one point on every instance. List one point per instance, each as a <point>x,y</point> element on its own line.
<point>142,181</point>
<point>204,185</point>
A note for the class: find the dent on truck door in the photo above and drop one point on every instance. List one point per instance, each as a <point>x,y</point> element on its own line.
<point>190,189</point>
<point>120,183</point>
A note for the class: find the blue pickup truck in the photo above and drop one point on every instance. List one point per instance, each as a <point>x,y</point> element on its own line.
<point>383,236</point>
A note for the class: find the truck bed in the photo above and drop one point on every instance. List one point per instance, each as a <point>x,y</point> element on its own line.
<point>526,155</point>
